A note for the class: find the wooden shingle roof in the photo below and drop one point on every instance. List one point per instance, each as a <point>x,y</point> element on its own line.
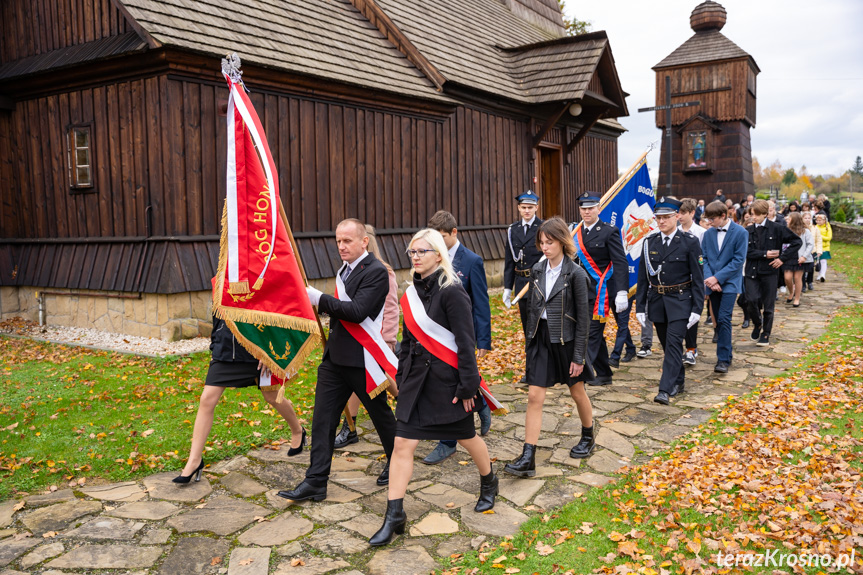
<point>328,39</point>
<point>482,44</point>
<point>704,46</point>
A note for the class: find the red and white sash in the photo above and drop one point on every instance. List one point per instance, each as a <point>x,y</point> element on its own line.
<point>438,340</point>
<point>380,362</point>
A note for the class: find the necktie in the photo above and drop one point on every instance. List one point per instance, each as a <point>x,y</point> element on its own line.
<point>346,273</point>
<point>667,241</point>
<point>524,227</point>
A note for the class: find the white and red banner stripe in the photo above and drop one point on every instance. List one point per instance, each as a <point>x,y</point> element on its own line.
<point>380,362</point>
<point>438,340</point>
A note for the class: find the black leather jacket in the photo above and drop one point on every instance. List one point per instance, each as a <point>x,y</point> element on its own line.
<point>567,309</point>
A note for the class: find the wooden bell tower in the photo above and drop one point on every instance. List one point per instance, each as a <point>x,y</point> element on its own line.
<point>711,146</point>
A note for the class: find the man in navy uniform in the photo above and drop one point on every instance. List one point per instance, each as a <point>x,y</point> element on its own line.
<point>598,247</point>
<point>671,288</point>
<point>521,253</point>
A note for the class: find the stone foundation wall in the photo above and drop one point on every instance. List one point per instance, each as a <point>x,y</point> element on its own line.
<point>847,234</point>
<point>166,317</point>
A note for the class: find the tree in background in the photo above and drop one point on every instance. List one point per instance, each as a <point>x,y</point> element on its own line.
<point>789,177</point>
<point>857,168</point>
<point>574,26</point>
<point>767,176</point>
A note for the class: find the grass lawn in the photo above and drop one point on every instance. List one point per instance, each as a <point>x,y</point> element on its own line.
<point>73,415</point>
<point>777,471</point>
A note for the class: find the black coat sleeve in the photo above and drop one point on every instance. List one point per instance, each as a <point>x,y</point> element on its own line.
<point>793,242</point>
<point>619,262</point>
<point>583,313</point>
<point>367,301</point>
<point>404,354</point>
<point>643,285</point>
<point>696,269</point>
<point>456,304</point>
<point>508,263</point>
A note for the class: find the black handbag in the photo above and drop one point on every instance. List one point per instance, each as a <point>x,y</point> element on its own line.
<point>818,266</point>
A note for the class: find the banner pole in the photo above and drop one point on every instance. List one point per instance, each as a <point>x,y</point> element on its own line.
<point>606,197</point>
<point>348,417</point>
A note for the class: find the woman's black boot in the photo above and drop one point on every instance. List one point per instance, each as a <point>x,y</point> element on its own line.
<point>525,465</point>
<point>394,523</point>
<point>585,446</point>
<point>487,492</point>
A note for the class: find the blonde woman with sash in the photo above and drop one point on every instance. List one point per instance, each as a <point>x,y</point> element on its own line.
<point>437,377</point>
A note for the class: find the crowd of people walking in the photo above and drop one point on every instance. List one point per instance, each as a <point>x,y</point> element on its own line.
<point>567,280</point>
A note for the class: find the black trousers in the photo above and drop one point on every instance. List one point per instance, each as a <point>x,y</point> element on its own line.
<point>624,337</point>
<point>597,351</point>
<point>522,312</point>
<point>335,385</point>
<point>691,339</point>
<point>761,297</point>
<point>671,336</point>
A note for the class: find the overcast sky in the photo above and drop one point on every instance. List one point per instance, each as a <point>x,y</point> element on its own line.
<point>810,89</point>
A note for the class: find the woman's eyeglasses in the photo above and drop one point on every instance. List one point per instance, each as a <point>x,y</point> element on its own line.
<point>419,253</point>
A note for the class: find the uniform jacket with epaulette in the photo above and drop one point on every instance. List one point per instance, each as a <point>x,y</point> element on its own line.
<point>680,263</point>
<point>604,244</point>
<point>520,245</point>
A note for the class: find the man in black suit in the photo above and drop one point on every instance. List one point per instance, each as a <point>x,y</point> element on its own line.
<point>342,370</point>
<point>599,244</point>
<point>671,289</point>
<point>763,257</point>
<point>521,254</point>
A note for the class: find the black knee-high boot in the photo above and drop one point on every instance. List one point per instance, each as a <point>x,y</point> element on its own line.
<point>487,492</point>
<point>394,523</point>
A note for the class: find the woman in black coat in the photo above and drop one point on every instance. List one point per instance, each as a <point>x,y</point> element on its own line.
<point>557,331</point>
<point>435,399</point>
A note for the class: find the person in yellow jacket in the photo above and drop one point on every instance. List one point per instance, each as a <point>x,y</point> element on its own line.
<point>826,235</point>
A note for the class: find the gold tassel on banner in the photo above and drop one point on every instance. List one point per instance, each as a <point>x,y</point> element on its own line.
<point>238,288</point>
<point>258,283</point>
<point>280,397</point>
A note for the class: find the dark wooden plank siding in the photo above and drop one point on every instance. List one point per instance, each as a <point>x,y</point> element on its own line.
<point>32,27</point>
<point>159,168</point>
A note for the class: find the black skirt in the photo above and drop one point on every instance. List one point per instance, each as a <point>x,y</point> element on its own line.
<point>461,429</point>
<point>548,363</point>
<point>233,374</point>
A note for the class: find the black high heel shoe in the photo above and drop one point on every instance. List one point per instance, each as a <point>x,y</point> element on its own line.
<point>183,479</point>
<point>297,450</point>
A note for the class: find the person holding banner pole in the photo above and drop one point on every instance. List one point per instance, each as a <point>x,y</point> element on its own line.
<point>599,251</point>
<point>438,377</point>
<point>356,358</point>
<point>390,329</point>
<point>521,253</point>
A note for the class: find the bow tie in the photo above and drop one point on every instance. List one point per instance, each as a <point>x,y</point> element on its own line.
<point>721,230</point>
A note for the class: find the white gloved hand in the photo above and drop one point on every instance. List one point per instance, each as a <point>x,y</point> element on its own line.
<point>693,319</point>
<point>506,297</point>
<point>621,301</point>
<point>314,295</point>
<point>642,319</point>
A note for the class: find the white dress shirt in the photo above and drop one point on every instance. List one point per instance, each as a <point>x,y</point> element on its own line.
<point>353,265</point>
<point>551,275</point>
<point>720,237</point>
<point>451,252</point>
<point>696,231</point>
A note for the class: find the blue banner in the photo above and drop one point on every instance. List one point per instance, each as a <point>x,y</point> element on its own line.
<point>631,210</point>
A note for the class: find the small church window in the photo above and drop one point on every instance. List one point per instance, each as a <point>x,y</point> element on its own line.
<point>80,155</point>
<point>696,150</point>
